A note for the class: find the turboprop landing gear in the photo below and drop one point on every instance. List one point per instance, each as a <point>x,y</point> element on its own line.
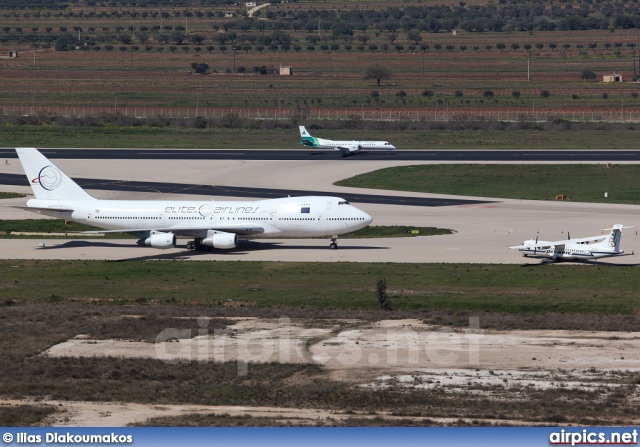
<point>333,245</point>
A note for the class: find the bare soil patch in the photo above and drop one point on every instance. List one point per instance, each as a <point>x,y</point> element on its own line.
<point>405,355</point>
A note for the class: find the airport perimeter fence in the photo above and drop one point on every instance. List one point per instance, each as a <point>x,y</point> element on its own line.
<point>540,116</point>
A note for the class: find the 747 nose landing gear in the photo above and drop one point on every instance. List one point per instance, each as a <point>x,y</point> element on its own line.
<point>333,245</point>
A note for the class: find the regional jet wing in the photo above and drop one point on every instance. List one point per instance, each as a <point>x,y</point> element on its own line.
<point>587,240</point>
<point>539,247</point>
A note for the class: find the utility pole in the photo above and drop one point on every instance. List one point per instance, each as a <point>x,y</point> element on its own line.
<point>534,109</point>
<point>234,58</point>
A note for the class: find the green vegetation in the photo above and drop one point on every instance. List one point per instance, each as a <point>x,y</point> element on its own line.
<point>396,231</point>
<point>10,195</point>
<point>404,136</point>
<point>580,183</point>
<point>24,415</point>
<point>42,226</point>
<point>498,288</point>
<point>45,226</point>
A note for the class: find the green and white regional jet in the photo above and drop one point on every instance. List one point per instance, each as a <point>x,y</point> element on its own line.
<point>347,147</point>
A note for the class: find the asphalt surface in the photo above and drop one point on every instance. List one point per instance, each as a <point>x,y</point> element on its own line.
<point>239,191</point>
<point>513,156</point>
<point>484,227</point>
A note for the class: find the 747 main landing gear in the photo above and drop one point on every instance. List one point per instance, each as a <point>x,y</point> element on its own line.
<point>333,245</point>
<point>197,246</point>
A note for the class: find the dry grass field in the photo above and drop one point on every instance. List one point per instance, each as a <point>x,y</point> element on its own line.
<point>67,373</point>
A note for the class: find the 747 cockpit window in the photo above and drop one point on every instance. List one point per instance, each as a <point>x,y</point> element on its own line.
<point>344,202</point>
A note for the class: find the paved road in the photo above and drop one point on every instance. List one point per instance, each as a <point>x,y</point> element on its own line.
<point>303,154</point>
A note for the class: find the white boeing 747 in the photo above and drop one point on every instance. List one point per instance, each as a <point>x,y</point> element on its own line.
<point>209,223</point>
<point>347,147</point>
<point>588,248</point>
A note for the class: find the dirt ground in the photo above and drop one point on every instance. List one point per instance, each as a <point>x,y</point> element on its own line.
<point>406,353</point>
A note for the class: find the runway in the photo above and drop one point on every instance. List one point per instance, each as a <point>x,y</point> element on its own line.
<point>512,156</point>
<point>485,227</point>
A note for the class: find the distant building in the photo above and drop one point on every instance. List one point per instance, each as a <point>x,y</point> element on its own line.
<point>612,78</point>
<point>250,4</point>
<point>229,14</point>
<point>12,54</point>
<point>286,71</point>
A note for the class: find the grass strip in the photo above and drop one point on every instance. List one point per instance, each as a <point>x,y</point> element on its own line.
<point>587,289</point>
<point>578,182</point>
<point>288,138</point>
<point>10,195</point>
<point>57,226</point>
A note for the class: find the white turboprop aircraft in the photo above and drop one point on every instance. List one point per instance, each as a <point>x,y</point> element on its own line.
<point>211,224</point>
<point>347,147</point>
<point>588,248</point>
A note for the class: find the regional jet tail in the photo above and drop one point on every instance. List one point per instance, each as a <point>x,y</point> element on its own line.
<point>209,224</point>
<point>588,248</point>
<point>346,147</point>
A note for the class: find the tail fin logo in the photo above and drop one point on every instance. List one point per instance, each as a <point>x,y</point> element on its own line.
<point>49,178</point>
<point>613,239</point>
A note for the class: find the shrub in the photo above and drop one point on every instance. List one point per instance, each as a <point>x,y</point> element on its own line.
<point>381,293</point>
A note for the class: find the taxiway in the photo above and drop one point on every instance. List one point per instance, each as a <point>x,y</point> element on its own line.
<point>484,227</point>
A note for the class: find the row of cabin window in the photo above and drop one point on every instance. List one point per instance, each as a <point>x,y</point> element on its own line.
<point>244,218</point>
<point>178,218</point>
<point>331,218</point>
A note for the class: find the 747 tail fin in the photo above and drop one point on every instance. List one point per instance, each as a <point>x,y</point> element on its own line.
<point>46,180</point>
